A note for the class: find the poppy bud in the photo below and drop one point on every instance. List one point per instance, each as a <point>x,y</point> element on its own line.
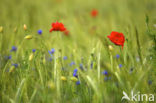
<point>15,29</point>
<point>63,78</point>
<point>51,85</point>
<point>110,48</point>
<point>31,57</point>
<point>74,79</point>
<point>25,27</point>
<point>28,37</point>
<point>1,29</point>
<point>11,69</point>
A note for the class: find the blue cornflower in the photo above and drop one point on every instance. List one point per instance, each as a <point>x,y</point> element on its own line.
<point>149,82</point>
<point>14,48</point>
<point>120,65</point>
<point>75,74</point>
<point>51,51</point>
<point>105,72</point>
<point>15,65</point>
<point>78,83</point>
<point>33,50</point>
<point>72,63</point>
<point>75,70</point>
<point>65,58</point>
<point>117,56</point>
<point>8,57</point>
<point>50,59</point>
<point>81,66</point>
<point>106,78</point>
<point>39,32</point>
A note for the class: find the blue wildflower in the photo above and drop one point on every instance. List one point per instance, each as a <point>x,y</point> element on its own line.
<point>8,57</point>
<point>81,66</point>
<point>33,50</point>
<point>78,83</point>
<point>105,72</point>
<point>15,65</point>
<point>65,58</point>
<point>72,63</point>
<point>75,70</point>
<point>52,50</point>
<point>117,56</point>
<point>75,74</point>
<point>120,65</point>
<point>14,48</point>
<point>50,59</point>
<point>39,32</point>
<point>106,78</point>
<point>149,82</point>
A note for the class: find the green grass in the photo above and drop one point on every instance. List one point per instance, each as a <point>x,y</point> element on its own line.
<point>39,80</point>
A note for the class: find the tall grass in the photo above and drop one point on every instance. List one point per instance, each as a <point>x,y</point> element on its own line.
<point>39,80</point>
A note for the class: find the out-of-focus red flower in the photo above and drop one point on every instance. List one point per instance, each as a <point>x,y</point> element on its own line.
<point>94,13</point>
<point>57,27</point>
<point>117,38</point>
<point>66,32</point>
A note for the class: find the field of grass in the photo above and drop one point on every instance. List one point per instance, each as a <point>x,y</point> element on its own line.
<point>104,70</point>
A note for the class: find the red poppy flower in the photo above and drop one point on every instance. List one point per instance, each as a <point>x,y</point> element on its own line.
<point>57,27</point>
<point>117,38</point>
<point>94,13</point>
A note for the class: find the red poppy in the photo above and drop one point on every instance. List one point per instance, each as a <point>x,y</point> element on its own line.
<point>117,38</point>
<point>94,13</point>
<point>57,27</point>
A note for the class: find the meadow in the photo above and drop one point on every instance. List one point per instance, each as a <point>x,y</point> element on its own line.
<point>81,64</point>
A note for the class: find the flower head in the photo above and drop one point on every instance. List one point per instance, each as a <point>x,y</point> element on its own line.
<point>8,57</point>
<point>117,56</point>
<point>81,66</point>
<point>63,78</point>
<point>57,27</point>
<point>39,32</point>
<point>78,83</point>
<point>1,29</point>
<point>72,63</point>
<point>28,37</point>
<point>74,79</point>
<point>65,58</point>
<point>120,65</point>
<point>94,13</point>
<point>14,48</point>
<point>75,73</point>
<point>52,51</point>
<point>117,38</point>
<point>25,27</point>
<point>149,82</point>
<point>33,50</point>
<point>15,65</point>
<point>105,72</point>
